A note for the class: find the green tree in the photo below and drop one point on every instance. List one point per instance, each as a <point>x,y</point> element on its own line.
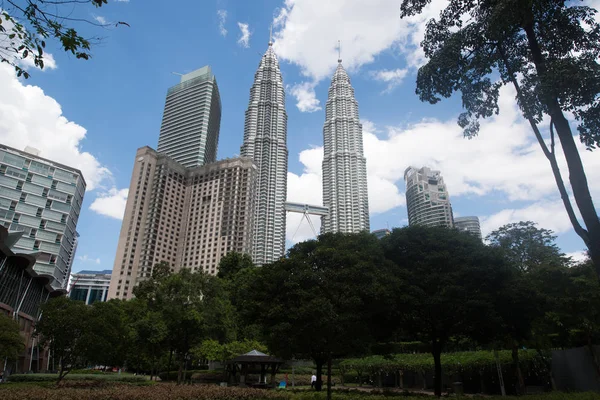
<point>526,246</point>
<point>148,341</point>
<point>232,263</point>
<point>447,286</point>
<point>11,341</point>
<point>108,334</point>
<point>532,45</point>
<point>193,307</point>
<point>320,301</point>
<point>62,326</point>
<point>212,350</point>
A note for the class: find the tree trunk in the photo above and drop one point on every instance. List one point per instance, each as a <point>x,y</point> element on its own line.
<point>319,383</point>
<point>593,353</point>
<point>518,374</point>
<point>577,177</point>
<point>436,351</point>
<point>329,377</point>
<point>169,366</point>
<point>180,372</point>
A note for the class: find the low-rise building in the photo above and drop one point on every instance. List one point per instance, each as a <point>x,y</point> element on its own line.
<point>90,286</point>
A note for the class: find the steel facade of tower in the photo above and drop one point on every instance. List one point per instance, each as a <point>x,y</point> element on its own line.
<point>265,141</point>
<point>189,133</point>
<point>427,199</point>
<point>344,165</point>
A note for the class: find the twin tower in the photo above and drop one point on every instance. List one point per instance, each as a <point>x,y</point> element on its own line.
<point>188,209</point>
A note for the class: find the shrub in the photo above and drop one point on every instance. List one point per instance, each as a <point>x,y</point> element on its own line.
<point>75,377</point>
<point>172,375</point>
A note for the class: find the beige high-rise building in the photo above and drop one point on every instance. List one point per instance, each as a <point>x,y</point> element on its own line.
<point>188,217</point>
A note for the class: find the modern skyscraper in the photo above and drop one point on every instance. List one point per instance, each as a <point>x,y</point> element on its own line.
<point>265,141</point>
<point>42,199</point>
<point>188,217</point>
<point>189,133</point>
<point>344,165</point>
<point>468,224</point>
<point>427,198</point>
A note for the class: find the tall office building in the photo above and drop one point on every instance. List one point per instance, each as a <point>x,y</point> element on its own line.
<point>90,286</point>
<point>427,198</point>
<point>189,133</point>
<point>188,217</point>
<point>265,136</point>
<point>42,199</point>
<point>344,165</point>
<point>468,224</point>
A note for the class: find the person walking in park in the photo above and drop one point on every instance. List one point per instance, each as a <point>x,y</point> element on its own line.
<point>313,381</point>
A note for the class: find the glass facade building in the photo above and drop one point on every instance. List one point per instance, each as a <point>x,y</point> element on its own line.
<point>468,224</point>
<point>189,133</point>
<point>42,199</point>
<point>90,286</point>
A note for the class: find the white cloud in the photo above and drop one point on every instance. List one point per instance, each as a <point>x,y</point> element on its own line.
<point>222,14</point>
<point>393,77</point>
<point>85,258</point>
<point>306,98</point>
<point>503,166</point>
<point>244,39</point>
<point>547,214</point>
<point>112,203</point>
<point>100,19</point>
<point>28,117</point>
<point>309,30</point>
<point>578,256</point>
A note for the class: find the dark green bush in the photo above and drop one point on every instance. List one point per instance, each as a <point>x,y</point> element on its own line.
<point>75,377</point>
<point>172,375</point>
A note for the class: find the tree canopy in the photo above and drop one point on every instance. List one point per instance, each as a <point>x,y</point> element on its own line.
<point>448,285</point>
<point>11,342</point>
<point>477,47</point>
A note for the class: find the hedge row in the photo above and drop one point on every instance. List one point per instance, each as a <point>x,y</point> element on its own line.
<point>75,377</point>
<point>451,362</point>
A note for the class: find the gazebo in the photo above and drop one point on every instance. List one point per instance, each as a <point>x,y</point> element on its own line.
<point>253,362</point>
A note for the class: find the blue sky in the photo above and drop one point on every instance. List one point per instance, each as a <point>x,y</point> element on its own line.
<point>95,114</point>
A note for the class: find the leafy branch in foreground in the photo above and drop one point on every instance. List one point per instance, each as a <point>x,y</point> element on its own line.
<point>26,26</point>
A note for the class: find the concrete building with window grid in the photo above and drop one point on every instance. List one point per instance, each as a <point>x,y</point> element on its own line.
<point>188,217</point>
<point>42,199</point>
<point>189,133</point>
<point>344,165</point>
<point>468,224</point>
<point>427,199</point>
<point>90,286</point>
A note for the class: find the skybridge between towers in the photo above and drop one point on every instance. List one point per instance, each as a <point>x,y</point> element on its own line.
<point>306,210</point>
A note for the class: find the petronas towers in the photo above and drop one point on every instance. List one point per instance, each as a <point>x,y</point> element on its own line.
<point>265,141</point>
<point>344,164</point>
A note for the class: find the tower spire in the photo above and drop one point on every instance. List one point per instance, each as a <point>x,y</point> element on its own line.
<point>271,35</point>
<point>339,51</point>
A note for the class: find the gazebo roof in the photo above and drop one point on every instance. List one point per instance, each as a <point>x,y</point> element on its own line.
<point>255,357</point>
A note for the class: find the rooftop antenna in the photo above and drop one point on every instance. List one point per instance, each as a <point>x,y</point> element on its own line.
<point>339,51</point>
